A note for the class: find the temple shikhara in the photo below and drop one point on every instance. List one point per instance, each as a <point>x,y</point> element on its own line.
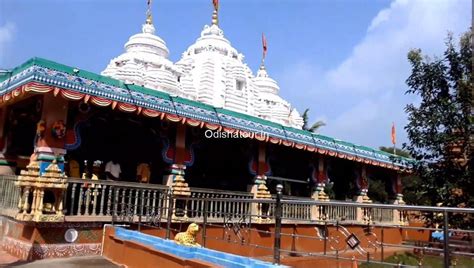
<point>81,149</point>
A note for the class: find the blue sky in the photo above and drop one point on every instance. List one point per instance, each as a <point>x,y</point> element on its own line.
<point>344,59</point>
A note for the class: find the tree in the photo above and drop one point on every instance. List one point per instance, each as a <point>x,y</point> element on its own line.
<point>314,127</point>
<point>440,126</point>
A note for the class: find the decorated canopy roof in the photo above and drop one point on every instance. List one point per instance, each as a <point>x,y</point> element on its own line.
<point>43,76</point>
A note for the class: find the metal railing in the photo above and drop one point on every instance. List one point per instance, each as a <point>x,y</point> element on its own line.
<point>9,196</point>
<point>369,243</point>
<point>237,214</point>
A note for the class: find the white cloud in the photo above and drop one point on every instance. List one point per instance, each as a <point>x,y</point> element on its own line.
<point>365,92</point>
<point>383,16</point>
<point>6,35</point>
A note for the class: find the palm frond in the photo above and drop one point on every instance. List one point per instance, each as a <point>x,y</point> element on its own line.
<point>316,126</point>
<point>305,117</point>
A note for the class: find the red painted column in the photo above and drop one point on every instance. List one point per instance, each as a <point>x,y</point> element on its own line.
<point>362,184</point>
<point>320,177</point>
<point>259,189</point>
<point>6,167</point>
<point>397,188</point>
<point>51,132</point>
<point>177,168</point>
<point>180,144</point>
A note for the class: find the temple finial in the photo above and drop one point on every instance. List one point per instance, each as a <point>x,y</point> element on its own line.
<point>215,19</point>
<point>264,51</point>
<point>149,16</point>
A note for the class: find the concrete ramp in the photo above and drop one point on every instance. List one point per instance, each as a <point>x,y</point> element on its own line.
<point>136,249</point>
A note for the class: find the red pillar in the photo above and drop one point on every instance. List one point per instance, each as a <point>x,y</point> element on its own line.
<point>177,168</point>
<point>6,167</point>
<point>362,183</point>
<point>320,177</point>
<point>397,188</point>
<point>51,132</point>
<point>259,188</point>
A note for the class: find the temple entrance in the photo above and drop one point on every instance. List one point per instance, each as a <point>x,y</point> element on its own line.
<point>107,135</point>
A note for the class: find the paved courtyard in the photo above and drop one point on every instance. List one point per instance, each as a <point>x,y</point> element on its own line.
<point>7,260</point>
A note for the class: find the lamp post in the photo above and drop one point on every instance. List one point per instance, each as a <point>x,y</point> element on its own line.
<point>277,243</point>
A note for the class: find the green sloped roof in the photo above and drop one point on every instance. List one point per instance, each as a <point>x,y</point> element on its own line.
<point>117,83</point>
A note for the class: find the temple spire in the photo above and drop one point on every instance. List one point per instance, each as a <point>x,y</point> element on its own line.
<point>149,16</point>
<point>215,19</point>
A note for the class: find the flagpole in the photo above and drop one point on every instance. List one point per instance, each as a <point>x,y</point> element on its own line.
<point>394,139</point>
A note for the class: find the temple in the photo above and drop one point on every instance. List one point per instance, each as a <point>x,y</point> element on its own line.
<point>204,127</point>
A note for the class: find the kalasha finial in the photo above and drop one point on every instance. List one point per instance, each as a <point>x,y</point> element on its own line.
<point>149,17</point>
<point>215,20</point>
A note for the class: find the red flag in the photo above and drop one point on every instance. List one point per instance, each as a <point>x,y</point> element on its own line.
<point>264,44</point>
<point>394,135</point>
<point>216,4</point>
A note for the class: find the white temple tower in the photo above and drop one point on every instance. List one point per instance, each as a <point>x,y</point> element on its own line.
<point>210,71</point>
<point>145,62</point>
<point>214,72</point>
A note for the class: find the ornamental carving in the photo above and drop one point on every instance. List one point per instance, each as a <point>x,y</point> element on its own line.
<point>40,129</point>
<point>41,196</point>
<point>58,130</point>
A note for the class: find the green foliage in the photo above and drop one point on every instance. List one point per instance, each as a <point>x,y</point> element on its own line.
<point>411,259</point>
<point>440,126</point>
<point>377,191</point>
<point>314,127</point>
<point>412,192</point>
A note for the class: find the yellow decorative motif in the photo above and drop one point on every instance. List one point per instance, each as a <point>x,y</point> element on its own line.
<point>188,238</point>
<point>180,187</point>
<point>32,206</point>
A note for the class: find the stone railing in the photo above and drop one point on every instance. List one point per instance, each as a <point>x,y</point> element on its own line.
<point>337,213</point>
<point>213,204</point>
<point>381,215</point>
<point>106,201</point>
<point>103,200</point>
<point>298,212</point>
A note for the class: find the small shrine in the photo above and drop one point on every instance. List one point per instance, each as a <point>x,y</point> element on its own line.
<point>41,195</point>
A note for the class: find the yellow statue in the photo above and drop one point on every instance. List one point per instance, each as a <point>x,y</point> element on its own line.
<point>188,238</point>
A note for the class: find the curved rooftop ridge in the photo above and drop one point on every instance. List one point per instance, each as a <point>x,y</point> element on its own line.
<point>58,75</point>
